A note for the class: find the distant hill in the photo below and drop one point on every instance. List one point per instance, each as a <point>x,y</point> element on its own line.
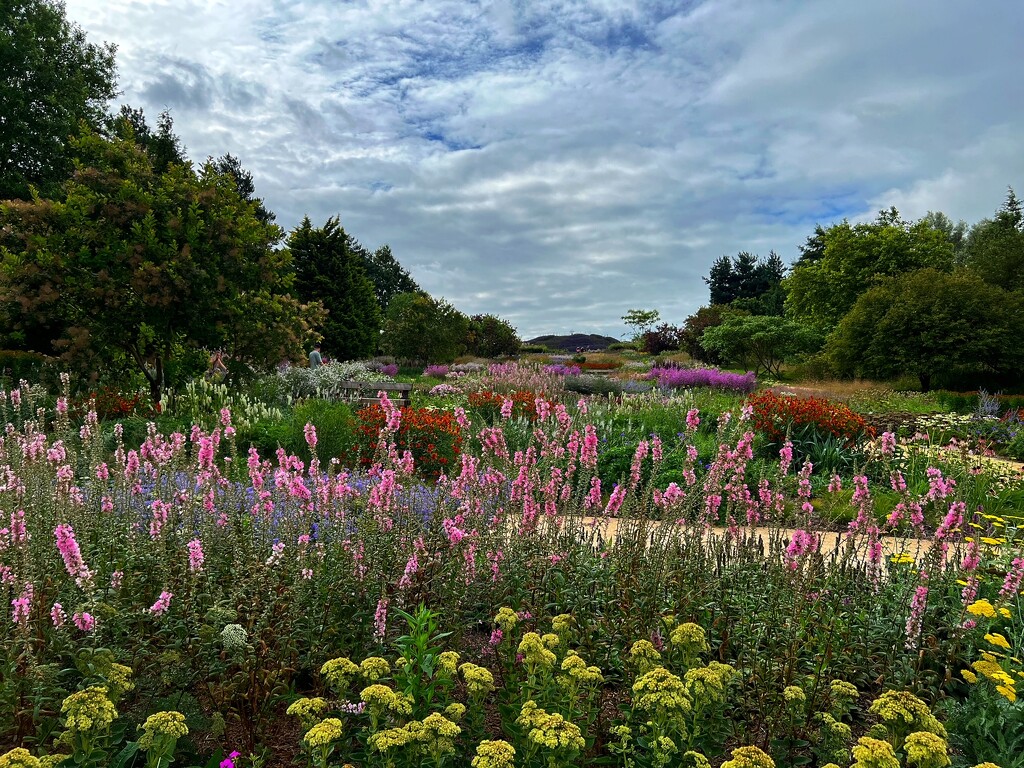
<point>574,341</point>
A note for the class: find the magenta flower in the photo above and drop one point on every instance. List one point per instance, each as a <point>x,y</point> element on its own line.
<point>162,604</point>
<point>86,622</point>
<point>195,556</point>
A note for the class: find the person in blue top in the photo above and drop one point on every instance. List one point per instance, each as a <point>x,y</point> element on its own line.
<point>315,361</point>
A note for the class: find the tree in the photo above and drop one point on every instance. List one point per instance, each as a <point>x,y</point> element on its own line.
<point>163,145</point>
<point>244,185</point>
<point>822,290</point>
<point>694,326</point>
<point>389,278</point>
<point>760,343</point>
<point>748,282</point>
<point>928,323</point>
<point>490,336</point>
<point>129,264</point>
<point>664,338</point>
<point>641,320</point>
<point>51,79</point>
<point>994,248</point>
<point>422,328</point>
<point>327,271</point>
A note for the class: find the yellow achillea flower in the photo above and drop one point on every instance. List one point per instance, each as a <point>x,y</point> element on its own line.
<point>873,753</point>
<point>1005,613</point>
<point>926,750</point>
<point>447,662</point>
<point>902,558</point>
<point>996,639</point>
<point>323,733</point>
<point>339,672</point>
<point>661,692</point>
<point>534,651</point>
<point>749,757</point>
<point>494,754</point>
<point>479,681</point>
<point>506,619</point>
<point>992,671</point>
<point>986,765</point>
<point>1008,692</point>
<point>982,608</point>
<point>969,676</point>
<point>19,758</point>
<point>374,668</point>
<point>89,710</point>
<point>169,725</point>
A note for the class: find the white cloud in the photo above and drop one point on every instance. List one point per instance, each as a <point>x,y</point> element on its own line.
<point>559,163</point>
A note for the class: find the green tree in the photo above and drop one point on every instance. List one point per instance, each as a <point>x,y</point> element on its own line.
<point>748,282</point>
<point>327,271</point>
<point>51,79</point>
<point>693,328</point>
<point>822,290</point>
<point>641,320</point>
<point>389,278</point>
<point>422,328</point>
<point>994,248</point>
<point>163,145</point>
<point>928,323</point>
<point>132,265</point>
<point>490,336</point>
<point>760,343</point>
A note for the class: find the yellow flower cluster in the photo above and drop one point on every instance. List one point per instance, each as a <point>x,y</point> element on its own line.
<point>534,650</point>
<point>448,662</point>
<point>19,758</point>
<point>991,669</point>
<point>374,668</point>
<point>561,623</point>
<point>89,710</point>
<point>455,711</point>
<point>695,760</point>
<point>550,730</point>
<point>382,697</point>
<point>389,738</point>
<point>168,725</point>
<point>691,638</point>
<point>843,691</point>
<point>438,734</point>
<point>661,692</point>
<point>494,754</point>
<point>982,608</point>
<point>998,640</point>
<point>839,730</point>
<point>119,681</point>
<point>795,697</point>
<point>708,683</point>
<point>644,655</point>
<point>339,672</point>
<point>902,708</point>
<point>874,753</point>
<point>576,670</point>
<point>323,733</point>
<point>926,750</point>
<point>749,757</point>
<point>506,619</point>
<point>308,710</point>
<point>479,681</point>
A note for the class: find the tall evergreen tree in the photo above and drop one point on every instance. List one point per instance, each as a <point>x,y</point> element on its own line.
<point>327,270</point>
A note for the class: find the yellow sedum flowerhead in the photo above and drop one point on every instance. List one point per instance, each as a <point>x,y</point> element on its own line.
<point>693,759</point>
<point>374,668</point>
<point>339,672</point>
<point>438,734</point>
<point>162,725</point>
<point>874,753</point>
<point>534,651</point>
<point>19,758</point>
<point>561,623</point>
<point>391,738</point>
<point>794,695</point>
<point>323,733</point>
<point>555,732</point>
<point>644,655</point>
<point>691,638</point>
<point>89,710</point>
<point>506,618</point>
<point>494,754</point>
<point>578,671</point>
<point>998,640</point>
<point>897,708</point>
<point>926,750</point>
<point>843,690</point>
<point>982,608</point>
<point>661,692</point>
<point>308,710</point>
<point>455,711</point>
<point>749,757</point>
<point>550,640</point>
<point>119,680</point>
<point>479,681</point>
<point>381,696</point>
<point>706,684</point>
<point>448,662</point>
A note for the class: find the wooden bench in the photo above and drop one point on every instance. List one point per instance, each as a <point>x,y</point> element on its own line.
<point>364,393</point>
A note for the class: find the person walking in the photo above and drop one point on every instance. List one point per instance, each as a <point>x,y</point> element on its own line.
<point>315,360</point>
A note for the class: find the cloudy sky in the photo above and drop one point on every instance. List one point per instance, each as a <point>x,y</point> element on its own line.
<point>558,163</point>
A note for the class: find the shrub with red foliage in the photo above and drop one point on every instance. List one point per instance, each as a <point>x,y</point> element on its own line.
<point>775,415</point>
<point>433,437</point>
<point>112,403</point>
<point>596,366</point>
<point>488,404</point>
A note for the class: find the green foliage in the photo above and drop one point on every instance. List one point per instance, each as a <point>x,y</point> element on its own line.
<point>389,278</point>
<point>760,343</point>
<point>695,325</point>
<point>129,265</point>
<point>994,248</point>
<point>53,79</point>
<point>327,271</point>
<point>420,327</point>
<point>490,336</point>
<point>641,320</point>
<point>848,259</point>
<point>929,323</point>
<point>745,278</point>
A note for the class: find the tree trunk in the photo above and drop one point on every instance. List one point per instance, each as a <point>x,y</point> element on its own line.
<point>926,381</point>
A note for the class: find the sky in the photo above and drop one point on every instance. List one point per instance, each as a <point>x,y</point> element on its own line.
<point>559,163</point>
